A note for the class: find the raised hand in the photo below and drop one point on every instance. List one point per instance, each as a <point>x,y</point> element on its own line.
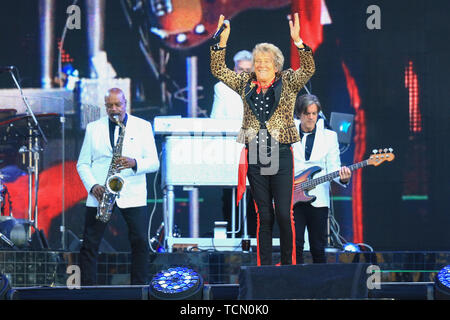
<point>295,28</point>
<point>225,33</point>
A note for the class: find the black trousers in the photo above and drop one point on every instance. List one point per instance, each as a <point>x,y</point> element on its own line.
<point>136,220</point>
<point>315,219</point>
<point>272,195</point>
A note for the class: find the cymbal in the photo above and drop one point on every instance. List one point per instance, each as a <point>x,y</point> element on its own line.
<point>22,119</point>
<point>18,127</point>
<point>7,113</point>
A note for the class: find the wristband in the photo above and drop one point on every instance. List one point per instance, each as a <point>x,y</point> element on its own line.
<point>299,43</point>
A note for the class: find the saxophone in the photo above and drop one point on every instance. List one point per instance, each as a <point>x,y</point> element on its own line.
<point>114,182</point>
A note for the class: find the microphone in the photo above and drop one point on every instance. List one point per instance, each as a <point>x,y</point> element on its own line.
<point>222,27</point>
<point>6,68</point>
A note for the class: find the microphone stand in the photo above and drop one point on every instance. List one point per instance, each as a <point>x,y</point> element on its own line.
<point>34,133</point>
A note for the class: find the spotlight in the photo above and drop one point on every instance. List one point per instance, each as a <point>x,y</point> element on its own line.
<point>181,38</point>
<point>72,76</point>
<point>442,284</point>
<point>176,283</point>
<point>200,29</point>
<point>351,247</point>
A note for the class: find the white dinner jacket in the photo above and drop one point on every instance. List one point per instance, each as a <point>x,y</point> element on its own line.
<point>325,154</point>
<point>227,103</point>
<point>96,154</point>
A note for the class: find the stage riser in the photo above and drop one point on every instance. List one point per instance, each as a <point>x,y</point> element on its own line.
<point>397,291</point>
<point>48,268</point>
<point>86,293</point>
<point>404,291</point>
<point>315,281</point>
<point>209,292</point>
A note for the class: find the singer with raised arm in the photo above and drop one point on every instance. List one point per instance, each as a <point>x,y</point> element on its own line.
<point>268,130</point>
<point>117,152</point>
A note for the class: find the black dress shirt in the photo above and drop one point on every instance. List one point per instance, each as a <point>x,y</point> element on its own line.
<point>309,141</point>
<point>112,128</point>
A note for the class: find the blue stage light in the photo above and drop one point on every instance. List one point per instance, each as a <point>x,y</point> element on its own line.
<point>345,126</point>
<point>351,247</point>
<point>72,76</point>
<point>442,284</point>
<point>176,283</point>
<point>5,287</point>
<point>444,276</point>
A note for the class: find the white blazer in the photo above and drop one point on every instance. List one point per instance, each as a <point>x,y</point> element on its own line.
<point>96,154</point>
<point>325,154</point>
<point>227,103</point>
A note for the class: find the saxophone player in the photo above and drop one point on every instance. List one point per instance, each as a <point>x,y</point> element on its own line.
<point>138,157</point>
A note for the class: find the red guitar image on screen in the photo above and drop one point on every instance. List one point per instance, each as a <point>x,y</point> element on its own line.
<point>305,182</point>
<point>187,23</point>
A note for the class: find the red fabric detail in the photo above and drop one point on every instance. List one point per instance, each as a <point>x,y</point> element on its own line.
<point>242,175</point>
<point>294,253</point>
<point>311,30</point>
<point>259,86</point>
<point>49,194</point>
<point>360,150</point>
<point>258,224</point>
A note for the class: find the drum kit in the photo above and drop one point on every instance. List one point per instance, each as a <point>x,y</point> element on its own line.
<point>13,232</point>
<point>23,133</point>
<point>15,132</point>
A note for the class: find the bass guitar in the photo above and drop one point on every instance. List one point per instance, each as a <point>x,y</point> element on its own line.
<point>305,181</point>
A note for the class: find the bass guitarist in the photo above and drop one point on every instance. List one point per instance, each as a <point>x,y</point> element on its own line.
<point>318,147</point>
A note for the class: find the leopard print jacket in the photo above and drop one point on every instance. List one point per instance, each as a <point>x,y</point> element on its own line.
<point>281,124</point>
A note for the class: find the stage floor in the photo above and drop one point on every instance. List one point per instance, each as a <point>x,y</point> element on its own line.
<point>49,268</point>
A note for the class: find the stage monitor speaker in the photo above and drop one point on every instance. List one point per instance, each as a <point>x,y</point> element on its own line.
<point>83,293</point>
<point>308,281</point>
<point>4,286</point>
<point>220,292</point>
